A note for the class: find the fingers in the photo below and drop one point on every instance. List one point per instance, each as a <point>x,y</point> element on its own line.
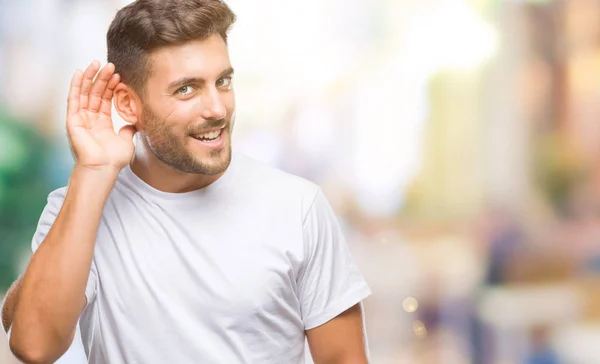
<point>99,87</point>
<point>74,92</point>
<point>86,85</point>
<point>96,94</point>
<point>106,101</point>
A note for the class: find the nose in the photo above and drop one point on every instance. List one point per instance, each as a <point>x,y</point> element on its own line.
<point>213,106</point>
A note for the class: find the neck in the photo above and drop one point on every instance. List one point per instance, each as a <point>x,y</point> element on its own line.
<point>163,177</point>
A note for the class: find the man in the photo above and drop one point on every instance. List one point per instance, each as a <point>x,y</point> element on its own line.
<point>179,250</point>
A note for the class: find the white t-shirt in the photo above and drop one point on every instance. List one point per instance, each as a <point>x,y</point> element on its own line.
<point>231,273</point>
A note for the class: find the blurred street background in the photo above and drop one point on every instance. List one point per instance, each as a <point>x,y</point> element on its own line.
<point>458,141</point>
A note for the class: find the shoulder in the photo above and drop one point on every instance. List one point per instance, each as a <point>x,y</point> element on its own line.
<point>262,179</point>
<point>258,173</point>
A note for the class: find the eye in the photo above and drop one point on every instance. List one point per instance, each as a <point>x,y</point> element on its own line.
<point>185,90</point>
<point>224,82</point>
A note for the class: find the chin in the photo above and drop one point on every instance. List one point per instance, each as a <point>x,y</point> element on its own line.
<point>214,163</point>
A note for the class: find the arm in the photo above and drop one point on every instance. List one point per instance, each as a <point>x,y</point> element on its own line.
<point>339,341</point>
<point>48,301</point>
<point>43,309</point>
<point>331,289</point>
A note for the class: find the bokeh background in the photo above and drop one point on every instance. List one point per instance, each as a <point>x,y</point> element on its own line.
<point>458,141</point>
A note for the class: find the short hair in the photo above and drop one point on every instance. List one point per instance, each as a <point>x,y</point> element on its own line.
<point>146,25</point>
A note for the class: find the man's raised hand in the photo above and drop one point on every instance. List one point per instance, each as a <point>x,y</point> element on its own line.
<point>90,127</point>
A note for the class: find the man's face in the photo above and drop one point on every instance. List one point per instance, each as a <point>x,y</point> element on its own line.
<point>189,106</point>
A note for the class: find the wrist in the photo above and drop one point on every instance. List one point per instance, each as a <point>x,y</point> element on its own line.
<point>100,172</point>
<point>97,181</point>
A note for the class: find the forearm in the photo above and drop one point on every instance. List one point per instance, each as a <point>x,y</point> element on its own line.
<point>52,293</point>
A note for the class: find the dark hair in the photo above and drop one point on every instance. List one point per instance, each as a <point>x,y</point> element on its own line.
<point>146,25</point>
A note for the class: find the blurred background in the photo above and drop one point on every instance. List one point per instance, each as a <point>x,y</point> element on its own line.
<point>458,141</point>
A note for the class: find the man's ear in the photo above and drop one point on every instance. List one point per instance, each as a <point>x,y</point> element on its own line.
<point>127,104</point>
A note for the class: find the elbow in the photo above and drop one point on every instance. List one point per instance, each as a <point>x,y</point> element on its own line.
<point>29,355</point>
<point>31,351</point>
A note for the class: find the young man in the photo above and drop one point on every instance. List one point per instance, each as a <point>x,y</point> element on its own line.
<point>178,250</point>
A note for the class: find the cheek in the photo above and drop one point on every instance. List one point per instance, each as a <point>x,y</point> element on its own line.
<point>230,98</point>
<point>229,102</point>
<point>180,118</point>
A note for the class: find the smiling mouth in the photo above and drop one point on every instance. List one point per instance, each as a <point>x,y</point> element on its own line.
<point>209,136</point>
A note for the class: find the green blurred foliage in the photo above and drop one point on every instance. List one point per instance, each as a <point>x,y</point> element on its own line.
<point>24,156</point>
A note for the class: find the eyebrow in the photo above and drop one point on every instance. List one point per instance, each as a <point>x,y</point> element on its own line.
<point>196,80</point>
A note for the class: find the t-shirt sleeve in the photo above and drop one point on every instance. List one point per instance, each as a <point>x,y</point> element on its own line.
<point>53,206</point>
<point>330,282</point>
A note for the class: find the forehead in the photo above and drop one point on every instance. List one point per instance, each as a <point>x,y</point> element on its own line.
<point>199,58</point>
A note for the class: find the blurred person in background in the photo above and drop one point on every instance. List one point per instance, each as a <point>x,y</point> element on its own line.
<point>177,248</point>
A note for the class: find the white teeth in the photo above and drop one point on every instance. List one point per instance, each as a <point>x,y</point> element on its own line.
<point>211,135</point>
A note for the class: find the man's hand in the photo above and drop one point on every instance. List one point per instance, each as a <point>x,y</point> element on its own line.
<point>90,128</point>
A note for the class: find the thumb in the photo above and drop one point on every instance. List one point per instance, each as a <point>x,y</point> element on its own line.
<point>127,132</point>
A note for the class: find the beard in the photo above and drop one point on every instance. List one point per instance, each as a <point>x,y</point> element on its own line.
<point>171,150</point>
